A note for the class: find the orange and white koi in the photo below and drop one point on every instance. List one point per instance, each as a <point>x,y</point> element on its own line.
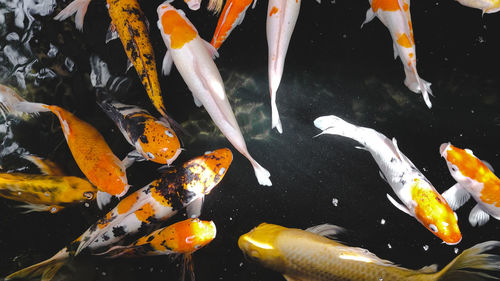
<point>156,202</point>
<point>309,255</point>
<point>474,178</point>
<point>89,149</point>
<point>281,18</point>
<point>395,15</point>
<point>232,15</point>
<point>49,192</point>
<point>192,57</point>
<point>487,6</point>
<point>420,199</point>
<point>129,22</point>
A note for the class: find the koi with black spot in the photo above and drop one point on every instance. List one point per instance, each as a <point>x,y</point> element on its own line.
<point>130,24</point>
<point>157,201</point>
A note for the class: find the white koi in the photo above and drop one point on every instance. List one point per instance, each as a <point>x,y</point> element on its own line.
<point>193,58</point>
<point>420,199</point>
<point>487,6</point>
<point>281,18</point>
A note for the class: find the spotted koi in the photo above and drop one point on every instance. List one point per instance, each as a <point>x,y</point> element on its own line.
<point>281,18</point>
<point>153,139</point>
<point>474,178</point>
<point>156,202</point>
<point>191,56</point>
<point>420,198</point>
<point>395,15</point>
<point>232,15</point>
<point>128,20</point>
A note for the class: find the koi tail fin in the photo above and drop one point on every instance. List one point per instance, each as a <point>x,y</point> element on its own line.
<point>261,174</point>
<point>472,258</point>
<point>9,101</point>
<point>418,85</point>
<point>275,116</point>
<point>187,265</point>
<point>78,7</point>
<point>215,6</point>
<point>47,269</point>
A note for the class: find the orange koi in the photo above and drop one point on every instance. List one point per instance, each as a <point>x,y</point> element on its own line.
<point>474,178</point>
<point>232,15</point>
<point>128,20</point>
<point>395,15</point>
<point>89,149</point>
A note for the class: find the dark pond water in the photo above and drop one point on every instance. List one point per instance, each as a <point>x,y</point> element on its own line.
<point>332,67</point>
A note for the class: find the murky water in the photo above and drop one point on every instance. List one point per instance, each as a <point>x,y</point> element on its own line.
<point>333,67</point>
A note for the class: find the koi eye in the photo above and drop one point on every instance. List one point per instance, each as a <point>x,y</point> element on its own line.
<point>150,155</point>
<point>89,195</point>
<point>433,228</point>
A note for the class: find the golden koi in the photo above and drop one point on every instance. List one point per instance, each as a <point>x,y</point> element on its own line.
<point>420,198</point>
<point>474,178</point>
<point>309,255</point>
<point>395,15</point>
<point>487,6</point>
<point>89,149</point>
<point>128,20</point>
<point>45,192</point>
<point>232,15</point>
<point>156,202</point>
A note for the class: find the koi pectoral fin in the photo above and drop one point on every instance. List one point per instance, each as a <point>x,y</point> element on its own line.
<point>103,198</point>
<point>369,16</point>
<point>194,208</point>
<point>211,50</point>
<point>456,196</point>
<point>112,33</point>
<point>398,205</point>
<point>478,217</point>
<point>166,66</point>
<point>77,6</point>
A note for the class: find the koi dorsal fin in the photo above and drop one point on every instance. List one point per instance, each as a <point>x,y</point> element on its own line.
<point>326,230</point>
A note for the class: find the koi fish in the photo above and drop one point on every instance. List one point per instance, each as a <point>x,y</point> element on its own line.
<point>420,199</point>
<point>281,18</point>
<point>487,6</point>
<point>193,4</point>
<point>89,149</point>
<point>156,202</point>
<point>191,56</point>
<point>232,16</point>
<point>474,178</point>
<point>310,255</point>
<point>48,192</point>
<point>395,15</point>
<point>153,139</point>
<point>129,24</point>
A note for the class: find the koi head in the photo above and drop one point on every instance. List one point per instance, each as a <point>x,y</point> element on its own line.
<point>191,235</point>
<point>434,213</point>
<point>174,26</point>
<point>81,190</point>
<point>158,143</point>
<point>203,173</point>
<point>463,165</point>
<point>259,245</point>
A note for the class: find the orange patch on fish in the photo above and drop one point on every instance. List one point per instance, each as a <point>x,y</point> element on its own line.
<point>102,223</point>
<point>227,19</point>
<point>273,11</point>
<point>404,41</point>
<point>179,30</point>
<point>471,167</point>
<point>411,55</point>
<point>144,213</point>
<point>405,7</point>
<point>385,5</point>
<point>126,204</point>
<point>432,208</point>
